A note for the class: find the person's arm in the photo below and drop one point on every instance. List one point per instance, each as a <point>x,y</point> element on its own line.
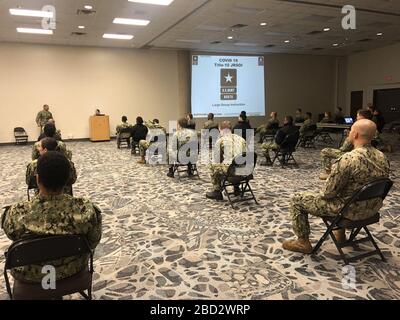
<point>28,174</point>
<point>35,152</point>
<point>346,146</point>
<point>94,222</point>
<point>38,117</point>
<point>72,174</point>
<point>280,136</point>
<point>11,221</point>
<point>341,171</point>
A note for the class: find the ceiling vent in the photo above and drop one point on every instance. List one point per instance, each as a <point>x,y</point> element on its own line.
<point>365,40</point>
<point>78,34</point>
<point>216,42</point>
<point>318,49</point>
<point>239,26</point>
<point>269,46</point>
<point>85,12</point>
<point>314,32</point>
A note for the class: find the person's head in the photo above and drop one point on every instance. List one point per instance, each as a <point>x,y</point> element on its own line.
<point>46,107</point>
<point>364,114</point>
<point>49,130</point>
<point>52,121</point>
<point>328,114</point>
<point>189,116</point>
<point>52,172</point>
<point>139,120</point>
<point>182,123</point>
<point>274,115</point>
<point>156,121</point>
<point>339,109</point>
<point>299,111</point>
<point>370,107</point>
<point>308,115</point>
<point>288,120</point>
<point>124,119</point>
<point>225,126</point>
<point>210,116</point>
<point>376,112</point>
<point>47,144</point>
<point>362,132</point>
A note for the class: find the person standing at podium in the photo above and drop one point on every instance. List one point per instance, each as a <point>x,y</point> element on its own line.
<point>43,117</point>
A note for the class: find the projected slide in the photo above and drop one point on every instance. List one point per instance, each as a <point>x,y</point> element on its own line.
<point>227,85</point>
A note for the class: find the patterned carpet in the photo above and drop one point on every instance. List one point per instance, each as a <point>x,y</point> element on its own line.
<point>162,239</point>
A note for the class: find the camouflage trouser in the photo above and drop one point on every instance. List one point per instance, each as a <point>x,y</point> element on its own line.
<point>303,204</point>
<point>266,147</point>
<point>143,146</point>
<point>262,129</point>
<point>217,174</point>
<point>328,155</point>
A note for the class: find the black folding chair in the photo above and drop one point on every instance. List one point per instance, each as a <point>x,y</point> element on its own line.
<point>40,250</point>
<point>307,140</point>
<point>20,135</point>
<point>324,136</point>
<point>271,133</point>
<point>181,165</point>
<point>124,138</point>
<point>239,175</point>
<point>376,189</point>
<point>285,152</point>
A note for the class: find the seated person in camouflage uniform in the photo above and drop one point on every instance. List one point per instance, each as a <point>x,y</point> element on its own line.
<point>182,136</point>
<point>269,128</point>
<point>191,123</point>
<point>53,213</point>
<point>227,147</point>
<point>349,173</point>
<point>50,132</point>
<point>327,118</point>
<point>299,116</point>
<point>306,124</point>
<point>122,126</point>
<point>328,155</point>
<point>288,129</point>
<point>210,124</point>
<point>48,144</point>
<point>57,134</point>
<point>155,130</point>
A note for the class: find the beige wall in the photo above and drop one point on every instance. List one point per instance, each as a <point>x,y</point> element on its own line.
<point>369,70</point>
<point>74,81</point>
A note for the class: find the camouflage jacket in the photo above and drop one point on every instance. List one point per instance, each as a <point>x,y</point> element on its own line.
<point>353,170</point>
<point>209,124</point>
<point>121,126</point>
<point>179,139</point>
<point>53,215</point>
<point>61,148</point>
<point>43,117</point>
<point>227,147</point>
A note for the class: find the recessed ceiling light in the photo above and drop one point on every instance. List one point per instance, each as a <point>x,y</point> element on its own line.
<point>287,41</point>
<point>327,29</point>
<point>230,37</point>
<point>379,34</point>
<point>132,22</point>
<point>156,2</point>
<point>34,31</point>
<point>32,13</point>
<point>335,44</point>
<point>88,7</point>
<point>263,24</point>
<point>81,27</point>
<point>118,36</point>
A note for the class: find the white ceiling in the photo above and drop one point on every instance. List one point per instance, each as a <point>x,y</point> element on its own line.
<point>195,24</point>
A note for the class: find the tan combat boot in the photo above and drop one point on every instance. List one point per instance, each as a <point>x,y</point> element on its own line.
<point>301,245</point>
<point>324,175</point>
<point>142,161</point>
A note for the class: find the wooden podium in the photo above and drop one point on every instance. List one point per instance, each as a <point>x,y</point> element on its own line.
<point>99,128</point>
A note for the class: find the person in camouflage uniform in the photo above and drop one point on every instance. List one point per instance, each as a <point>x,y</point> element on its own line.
<point>50,132</point>
<point>328,155</point>
<point>349,173</point>
<point>182,136</point>
<point>124,125</point>
<point>227,147</point>
<point>155,130</point>
<point>56,135</point>
<point>306,124</point>
<point>48,144</point>
<point>270,128</point>
<point>53,213</point>
<point>210,124</point>
<point>43,117</point>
